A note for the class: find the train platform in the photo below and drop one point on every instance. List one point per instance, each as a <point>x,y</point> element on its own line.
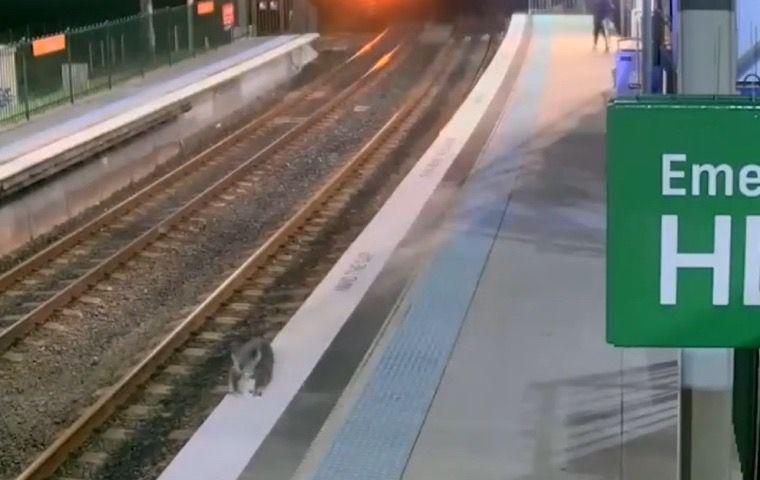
<point>472,347</point>
<point>495,364</point>
<point>32,148</point>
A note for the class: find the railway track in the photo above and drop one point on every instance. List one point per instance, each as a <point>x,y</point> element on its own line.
<point>491,47</point>
<point>67,269</point>
<point>262,292</point>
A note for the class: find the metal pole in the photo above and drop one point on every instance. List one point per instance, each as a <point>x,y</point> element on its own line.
<point>250,18</point>
<point>169,42</point>
<point>114,57</point>
<point>646,47</point>
<point>255,18</point>
<point>146,8</point>
<point>190,27</point>
<point>706,56</point>
<point>109,60</point>
<point>25,75</point>
<point>242,16</point>
<point>70,67</point>
<point>756,457</point>
<point>621,17</point>
<point>706,43</point>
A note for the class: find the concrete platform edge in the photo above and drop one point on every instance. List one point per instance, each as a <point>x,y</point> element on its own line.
<point>41,160</point>
<point>35,211</point>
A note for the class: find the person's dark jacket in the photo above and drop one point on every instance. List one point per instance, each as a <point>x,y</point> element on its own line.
<point>602,9</point>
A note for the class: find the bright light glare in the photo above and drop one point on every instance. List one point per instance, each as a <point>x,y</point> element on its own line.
<point>369,46</point>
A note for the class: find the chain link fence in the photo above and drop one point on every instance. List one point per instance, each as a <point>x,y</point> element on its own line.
<point>39,74</point>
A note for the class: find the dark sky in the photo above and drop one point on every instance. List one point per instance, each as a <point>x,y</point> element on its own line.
<point>16,14</point>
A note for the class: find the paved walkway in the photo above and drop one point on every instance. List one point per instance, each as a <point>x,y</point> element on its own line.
<point>496,366</point>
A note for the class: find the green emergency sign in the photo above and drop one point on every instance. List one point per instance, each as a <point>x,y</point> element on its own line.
<point>683,222</point>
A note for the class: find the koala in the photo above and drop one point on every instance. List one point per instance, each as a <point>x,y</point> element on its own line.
<point>252,360</point>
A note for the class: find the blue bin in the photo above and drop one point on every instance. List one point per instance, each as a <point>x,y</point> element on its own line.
<point>627,73</point>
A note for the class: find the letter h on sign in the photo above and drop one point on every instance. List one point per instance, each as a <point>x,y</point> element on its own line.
<point>671,260</point>
<point>719,260</point>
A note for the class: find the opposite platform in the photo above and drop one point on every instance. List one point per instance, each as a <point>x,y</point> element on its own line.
<point>29,148</point>
<point>496,366</point>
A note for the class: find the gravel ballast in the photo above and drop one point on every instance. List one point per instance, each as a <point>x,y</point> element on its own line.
<point>59,369</point>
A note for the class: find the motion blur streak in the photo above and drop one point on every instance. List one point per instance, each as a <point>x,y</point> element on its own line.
<point>384,60</point>
<point>366,48</point>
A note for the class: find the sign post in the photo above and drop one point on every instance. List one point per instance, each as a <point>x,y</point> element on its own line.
<point>683,246</point>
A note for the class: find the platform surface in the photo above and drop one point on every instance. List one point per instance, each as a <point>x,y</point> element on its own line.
<point>64,121</point>
<point>496,366</point>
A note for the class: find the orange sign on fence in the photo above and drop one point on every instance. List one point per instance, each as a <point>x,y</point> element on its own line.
<point>48,45</point>
<point>228,15</point>
<point>205,8</point>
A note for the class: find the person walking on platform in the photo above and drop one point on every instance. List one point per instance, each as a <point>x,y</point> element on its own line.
<point>602,10</point>
<point>660,53</point>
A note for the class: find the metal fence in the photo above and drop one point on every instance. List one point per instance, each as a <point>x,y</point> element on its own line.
<point>38,74</point>
<point>558,6</point>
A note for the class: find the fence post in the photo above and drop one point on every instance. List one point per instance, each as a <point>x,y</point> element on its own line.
<point>146,8</point>
<point>109,60</point>
<point>190,27</point>
<point>169,40</point>
<point>25,75</point>
<point>70,66</point>
<point>234,22</point>
<point>255,30</point>
<point>114,56</point>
